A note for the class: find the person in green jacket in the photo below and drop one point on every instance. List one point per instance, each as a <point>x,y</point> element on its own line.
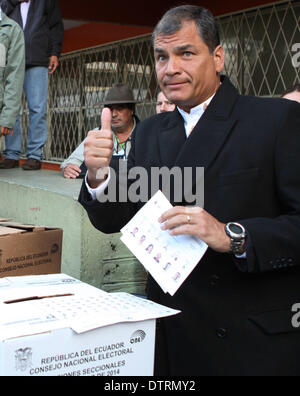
<point>12,70</point>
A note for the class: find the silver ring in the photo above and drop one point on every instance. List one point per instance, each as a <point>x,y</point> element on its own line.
<point>188,218</point>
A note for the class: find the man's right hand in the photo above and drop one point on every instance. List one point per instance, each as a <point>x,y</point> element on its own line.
<point>98,151</point>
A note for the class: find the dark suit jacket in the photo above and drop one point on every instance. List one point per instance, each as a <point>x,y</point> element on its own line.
<point>236,314</point>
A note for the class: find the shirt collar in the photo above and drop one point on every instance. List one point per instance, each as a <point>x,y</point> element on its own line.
<point>195,112</point>
<point>134,125</point>
<point>192,118</point>
<point>129,138</point>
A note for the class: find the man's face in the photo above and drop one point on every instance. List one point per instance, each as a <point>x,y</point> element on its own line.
<point>122,117</point>
<point>186,70</point>
<point>163,104</point>
<point>293,96</point>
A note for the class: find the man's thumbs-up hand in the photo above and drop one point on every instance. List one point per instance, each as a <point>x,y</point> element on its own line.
<point>98,150</point>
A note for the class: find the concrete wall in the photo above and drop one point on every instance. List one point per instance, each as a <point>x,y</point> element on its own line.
<point>45,198</point>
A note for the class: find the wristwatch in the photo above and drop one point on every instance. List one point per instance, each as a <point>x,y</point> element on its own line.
<point>237,235</point>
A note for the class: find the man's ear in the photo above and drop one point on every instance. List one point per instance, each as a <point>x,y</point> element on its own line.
<point>219,58</point>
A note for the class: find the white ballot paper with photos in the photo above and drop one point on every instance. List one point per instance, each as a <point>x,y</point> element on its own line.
<point>169,259</point>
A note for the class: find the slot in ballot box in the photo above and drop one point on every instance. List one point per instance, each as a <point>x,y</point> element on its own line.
<point>55,325</point>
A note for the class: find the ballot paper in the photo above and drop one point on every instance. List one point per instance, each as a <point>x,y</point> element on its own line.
<point>169,259</point>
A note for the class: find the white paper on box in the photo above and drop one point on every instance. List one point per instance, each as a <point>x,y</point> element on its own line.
<point>169,259</point>
<point>57,325</point>
<point>59,301</point>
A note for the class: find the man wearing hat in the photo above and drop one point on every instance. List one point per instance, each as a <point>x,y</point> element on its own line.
<point>121,102</point>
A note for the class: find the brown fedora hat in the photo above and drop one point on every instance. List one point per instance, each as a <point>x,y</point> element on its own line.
<point>119,94</point>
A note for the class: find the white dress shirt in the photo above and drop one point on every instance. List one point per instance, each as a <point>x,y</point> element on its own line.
<point>192,118</point>
<point>24,12</point>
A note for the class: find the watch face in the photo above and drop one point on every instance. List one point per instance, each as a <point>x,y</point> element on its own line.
<point>236,229</point>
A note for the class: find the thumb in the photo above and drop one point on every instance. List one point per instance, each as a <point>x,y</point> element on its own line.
<point>106,117</point>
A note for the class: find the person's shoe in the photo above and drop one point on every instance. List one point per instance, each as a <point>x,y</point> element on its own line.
<point>32,164</point>
<point>9,164</point>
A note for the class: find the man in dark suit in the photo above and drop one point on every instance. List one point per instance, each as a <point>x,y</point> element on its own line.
<point>237,304</point>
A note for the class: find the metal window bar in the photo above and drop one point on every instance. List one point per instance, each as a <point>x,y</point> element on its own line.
<point>259,45</point>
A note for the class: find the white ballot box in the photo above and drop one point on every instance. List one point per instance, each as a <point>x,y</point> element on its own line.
<point>55,325</point>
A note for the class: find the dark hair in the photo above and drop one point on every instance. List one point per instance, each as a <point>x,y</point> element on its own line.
<point>295,88</point>
<point>173,20</point>
<point>131,106</point>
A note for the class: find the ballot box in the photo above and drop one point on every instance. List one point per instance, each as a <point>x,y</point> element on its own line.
<point>55,325</point>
